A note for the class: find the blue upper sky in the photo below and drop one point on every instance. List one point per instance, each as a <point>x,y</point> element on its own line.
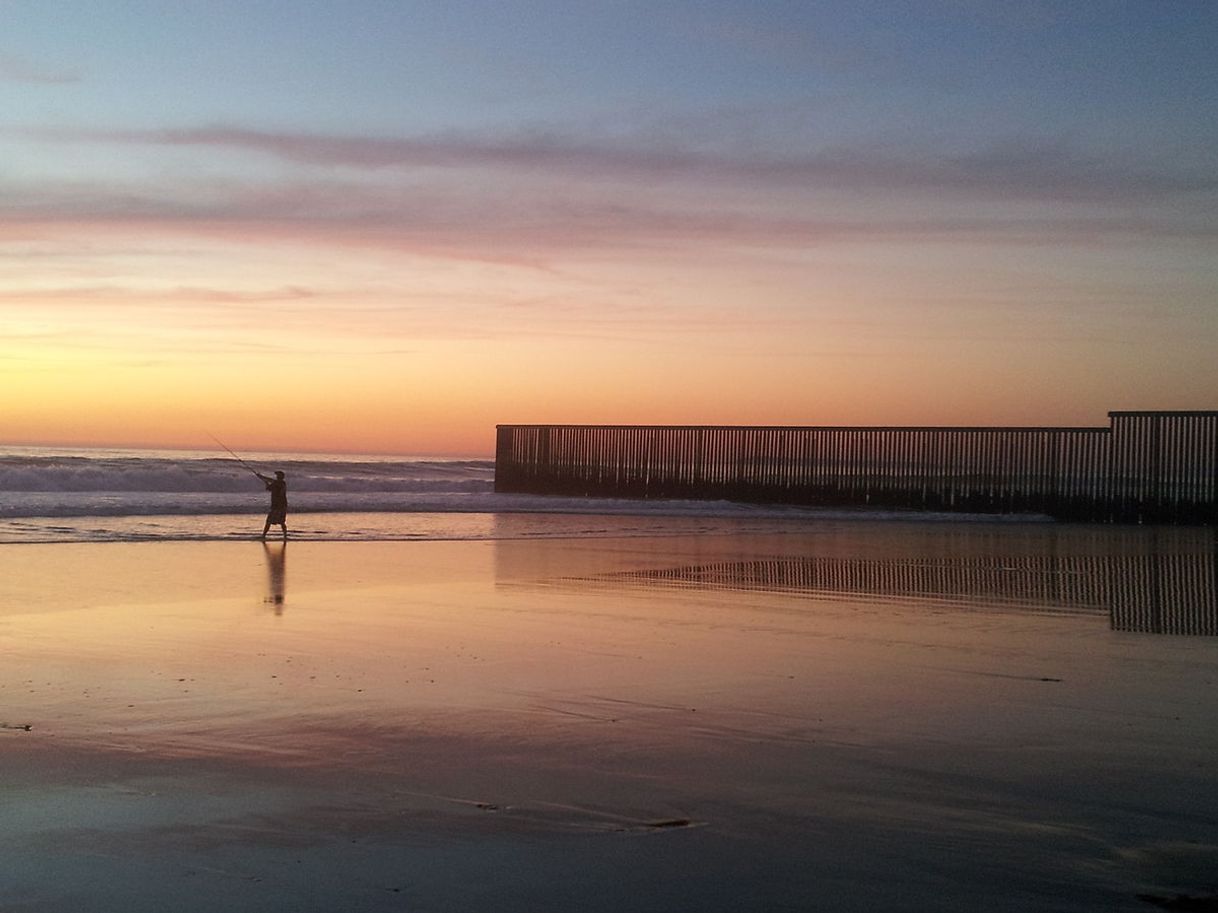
<point>925,71</point>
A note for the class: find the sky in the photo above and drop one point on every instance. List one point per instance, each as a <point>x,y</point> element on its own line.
<point>385,227</point>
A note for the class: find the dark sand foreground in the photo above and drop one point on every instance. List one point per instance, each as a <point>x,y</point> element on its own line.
<point>858,717</point>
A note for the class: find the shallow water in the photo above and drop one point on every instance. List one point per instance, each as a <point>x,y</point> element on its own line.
<point>845,716</point>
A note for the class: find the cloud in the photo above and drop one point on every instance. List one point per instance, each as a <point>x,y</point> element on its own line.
<point>178,293</point>
<point>1034,169</point>
<point>17,69</point>
<point>532,227</point>
<point>536,199</point>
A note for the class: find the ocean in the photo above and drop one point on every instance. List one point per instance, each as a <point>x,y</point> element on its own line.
<point>112,495</point>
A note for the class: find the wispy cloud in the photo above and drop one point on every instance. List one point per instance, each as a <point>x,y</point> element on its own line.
<point>539,199</point>
<point>1014,169</point>
<point>177,293</point>
<point>508,225</point>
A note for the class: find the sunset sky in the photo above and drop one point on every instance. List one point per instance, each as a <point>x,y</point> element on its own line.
<point>387,226</point>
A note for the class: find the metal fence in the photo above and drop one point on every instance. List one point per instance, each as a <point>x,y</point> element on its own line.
<point>1145,466</point>
<point>1164,465</point>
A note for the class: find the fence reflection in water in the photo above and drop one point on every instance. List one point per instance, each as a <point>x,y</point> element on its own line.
<point>1162,581</point>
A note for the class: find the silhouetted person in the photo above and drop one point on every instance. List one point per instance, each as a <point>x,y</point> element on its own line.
<point>278,514</point>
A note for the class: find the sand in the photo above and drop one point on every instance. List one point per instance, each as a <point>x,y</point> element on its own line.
<point>853,716</point>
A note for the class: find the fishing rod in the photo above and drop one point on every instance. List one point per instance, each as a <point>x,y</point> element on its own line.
<point>234,456</point>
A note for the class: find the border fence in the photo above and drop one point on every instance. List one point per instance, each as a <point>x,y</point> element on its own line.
<point>1142,467</point>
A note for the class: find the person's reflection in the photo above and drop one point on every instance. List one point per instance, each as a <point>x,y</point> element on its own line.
<point>276,573</point>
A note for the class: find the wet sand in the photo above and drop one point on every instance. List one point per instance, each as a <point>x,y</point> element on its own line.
<point>855,716</point>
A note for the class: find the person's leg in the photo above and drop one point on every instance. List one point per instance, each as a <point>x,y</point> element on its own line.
<point>266,526</point>
<point>284,527</point>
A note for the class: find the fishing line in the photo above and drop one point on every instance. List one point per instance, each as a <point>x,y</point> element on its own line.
<point>234,456</point>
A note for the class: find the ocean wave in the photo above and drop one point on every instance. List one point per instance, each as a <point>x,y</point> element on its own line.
<point>18,475</point>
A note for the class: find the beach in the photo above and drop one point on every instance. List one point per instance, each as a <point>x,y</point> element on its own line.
<point>842,715</point>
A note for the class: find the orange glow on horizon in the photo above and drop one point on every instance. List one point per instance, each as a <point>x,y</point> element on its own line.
<point>279,342</point>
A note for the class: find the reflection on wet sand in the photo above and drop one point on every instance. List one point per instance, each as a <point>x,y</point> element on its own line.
<point>276,574</point>
<point>604,724</point>
<point>1162,582</point>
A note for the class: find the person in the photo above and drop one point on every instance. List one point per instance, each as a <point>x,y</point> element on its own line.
<point>278,514</point>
